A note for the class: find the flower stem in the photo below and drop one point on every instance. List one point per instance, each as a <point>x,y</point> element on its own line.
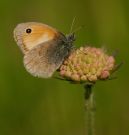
<point>89,109</point>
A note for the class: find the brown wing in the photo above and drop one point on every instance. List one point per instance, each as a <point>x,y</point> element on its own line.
<point>45,59</point>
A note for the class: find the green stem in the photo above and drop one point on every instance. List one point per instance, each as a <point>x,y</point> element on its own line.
<point>89,109</point>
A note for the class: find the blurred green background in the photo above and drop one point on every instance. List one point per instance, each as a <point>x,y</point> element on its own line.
<point>33,106</point>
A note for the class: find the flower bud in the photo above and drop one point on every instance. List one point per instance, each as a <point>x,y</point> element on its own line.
<point>87,64</point>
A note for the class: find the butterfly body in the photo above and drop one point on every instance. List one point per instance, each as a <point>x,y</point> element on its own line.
<point>44,47</point>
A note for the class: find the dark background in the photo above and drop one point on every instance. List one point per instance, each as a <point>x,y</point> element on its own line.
<point>33,106</point>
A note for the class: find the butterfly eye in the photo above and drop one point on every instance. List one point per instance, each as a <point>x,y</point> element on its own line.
<point>28,31</point>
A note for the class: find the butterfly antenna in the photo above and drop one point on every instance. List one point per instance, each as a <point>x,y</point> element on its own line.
<point>73,22</point>
<point>78,28</point>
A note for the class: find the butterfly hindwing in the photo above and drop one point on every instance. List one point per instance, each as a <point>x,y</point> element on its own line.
<point>45,59</point>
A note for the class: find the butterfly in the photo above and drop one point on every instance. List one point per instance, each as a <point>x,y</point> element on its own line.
<point>44,47</point>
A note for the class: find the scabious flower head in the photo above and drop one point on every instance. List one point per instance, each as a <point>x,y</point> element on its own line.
<point>87,64</point>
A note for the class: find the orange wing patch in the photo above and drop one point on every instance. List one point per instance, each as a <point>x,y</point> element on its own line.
<point>40,34</point>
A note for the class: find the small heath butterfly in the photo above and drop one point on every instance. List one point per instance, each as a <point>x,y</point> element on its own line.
<point>44,47</point>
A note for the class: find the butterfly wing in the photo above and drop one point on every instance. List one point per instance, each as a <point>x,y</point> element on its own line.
<point>45,59</point>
